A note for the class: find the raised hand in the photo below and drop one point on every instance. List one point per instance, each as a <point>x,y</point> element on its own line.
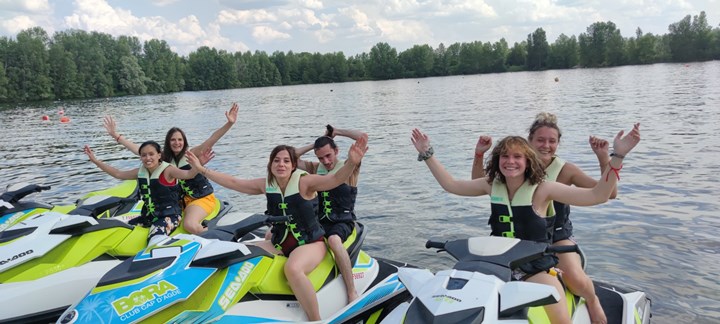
<point>110,127</point>
<point>193,160</point>
<point>88,151</point>
<point>358,149</point>
<point>232,114</point>
<point>420,140</point>
<point>624,144</point>
<point>207,155</point>
<point>483,144</point>
<point>329,131</point>
<point>599,146</point>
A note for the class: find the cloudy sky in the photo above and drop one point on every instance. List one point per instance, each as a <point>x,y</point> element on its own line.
<point>342,25</point>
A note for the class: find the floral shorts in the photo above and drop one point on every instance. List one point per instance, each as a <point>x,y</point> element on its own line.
<point>164,225</point>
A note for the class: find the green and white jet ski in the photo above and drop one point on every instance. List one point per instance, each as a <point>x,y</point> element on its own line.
<point>194,279</point>
<point>51,259</point>
<point>13,209</point>
<point>479,289</point>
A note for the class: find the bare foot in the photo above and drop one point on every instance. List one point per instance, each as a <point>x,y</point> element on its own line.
<point>597,315</point>
<point>352,296</point>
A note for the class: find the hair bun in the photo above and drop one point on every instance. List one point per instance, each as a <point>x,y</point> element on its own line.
<point>546,117</point>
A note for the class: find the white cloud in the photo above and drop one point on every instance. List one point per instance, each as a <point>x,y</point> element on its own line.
<point>359,18</point>
<point>403,30</point>
<point>18,23</point>
<point>303,18</point>
<point>163,3</point>
<point>186,35</point>
<point>265,34</point>
<point>324,35</point>
<point>242,17</point>
<point>27,6</point>
<point>312,4</point>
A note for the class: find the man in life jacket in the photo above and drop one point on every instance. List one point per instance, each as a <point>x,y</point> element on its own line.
<point>336,207</point>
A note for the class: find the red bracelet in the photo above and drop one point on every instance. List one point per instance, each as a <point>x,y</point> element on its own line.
<point>479,155</point>
<point>617,172</point>
<point>117,139</point>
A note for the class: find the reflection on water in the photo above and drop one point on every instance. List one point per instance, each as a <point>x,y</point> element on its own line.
<point>659,235</point>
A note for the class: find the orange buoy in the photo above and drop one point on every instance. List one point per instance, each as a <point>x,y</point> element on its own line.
<point>64,119</point>
<point>45,117</point>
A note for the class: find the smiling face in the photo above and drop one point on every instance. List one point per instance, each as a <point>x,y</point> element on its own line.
<point>150,157</point>
<point>545,141</point>
<point>514,158</point>
<point>283,161</point>
<point>177,142</point>
<point>327,156</point>
<point>513,162</point>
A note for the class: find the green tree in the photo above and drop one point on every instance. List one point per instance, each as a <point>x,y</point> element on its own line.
<point>27,66</point>
<point>517,55</point>
<point>63,73</point>
<point>563,53</point>
<point>417,61</point>
<point>440,61</point>
<point>132,78</point>
<point>3,83</point>
<point>356,67</point>
<point>383,63</point>
<point>681,40</point>
<point>537,49</point>
<point>601,45</point>
<point>163,68</point>
<point>210,69</point>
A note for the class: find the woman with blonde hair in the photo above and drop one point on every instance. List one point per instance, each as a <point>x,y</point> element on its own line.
<point>521,198</point>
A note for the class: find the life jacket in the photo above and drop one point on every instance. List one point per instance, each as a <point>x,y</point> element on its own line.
<point>303,223</point>
<point>338,204</point>
<point>197,187</point>
<point>517,218</point>
<point>159,200</point>
<point>562,227</point>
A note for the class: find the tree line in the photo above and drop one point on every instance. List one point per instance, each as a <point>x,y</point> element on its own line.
<point>76,64</point>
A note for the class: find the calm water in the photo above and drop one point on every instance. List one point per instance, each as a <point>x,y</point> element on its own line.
<point>660,234</point>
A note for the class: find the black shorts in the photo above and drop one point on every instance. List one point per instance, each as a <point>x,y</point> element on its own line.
<point>343,229</point>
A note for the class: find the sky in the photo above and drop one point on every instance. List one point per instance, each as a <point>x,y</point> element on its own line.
<point>352,27</point>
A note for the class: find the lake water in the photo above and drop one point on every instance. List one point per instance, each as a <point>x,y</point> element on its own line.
<point>660,235</point>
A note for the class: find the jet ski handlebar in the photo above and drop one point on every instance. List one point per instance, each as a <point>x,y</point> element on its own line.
<point>14,192</point>
<point>276,219</point>
<point>430,244</point>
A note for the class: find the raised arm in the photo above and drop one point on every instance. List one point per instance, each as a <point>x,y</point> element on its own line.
<point>622,145</point>
<point>231,116</point>
<point>581,179</point>
<point>313,182</point>
<point>250,187</point>
<point>306,165</point>
<point>172,172</point>
<point>115,173</point>
<point>478,168</point>
<point>476,187</point>
<point>111,128</point>
<point>349,133</point>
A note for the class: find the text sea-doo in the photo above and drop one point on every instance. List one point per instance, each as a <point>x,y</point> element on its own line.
<point>52,259</point>
<point>478,289</point>
<point>193,279</point>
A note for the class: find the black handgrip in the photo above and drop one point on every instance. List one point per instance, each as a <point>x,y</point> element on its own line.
<point>43,188</point>
<point>435,244</point>
<point>563,249</point>
<point>276,219</point>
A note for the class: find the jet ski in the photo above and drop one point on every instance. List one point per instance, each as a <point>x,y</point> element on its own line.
<point>479,289</point>
<point>14,210</point>
<point>207,278</point>
<point>51,259</point>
